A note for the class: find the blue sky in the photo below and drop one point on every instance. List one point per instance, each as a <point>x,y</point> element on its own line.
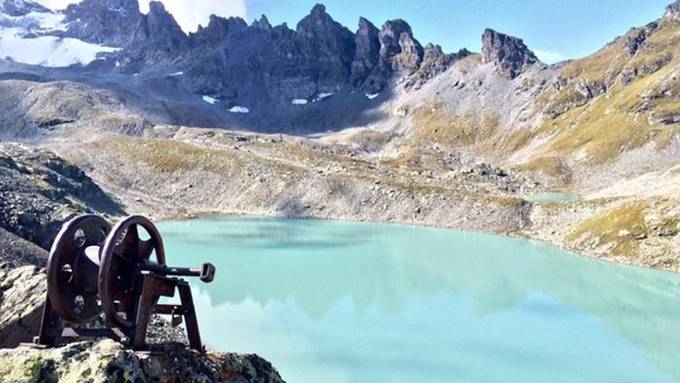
<point>555,29</point>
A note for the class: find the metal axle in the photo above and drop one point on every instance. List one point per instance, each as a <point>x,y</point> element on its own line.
<point>206,272</point>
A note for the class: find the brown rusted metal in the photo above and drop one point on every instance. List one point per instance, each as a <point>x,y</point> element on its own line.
<point>93,268</point>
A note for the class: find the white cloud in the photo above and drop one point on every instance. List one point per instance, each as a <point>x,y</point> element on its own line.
<point>549,57</point>
<point>189,14</point>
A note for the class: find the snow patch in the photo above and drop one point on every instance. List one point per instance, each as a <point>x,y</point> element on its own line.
<point>323,96</point>
<point>210,100</point>
<point>372,96</point>
<point>299,101</point>
<point>180,73</point>
<point>239,109</point>
<point>49,51</point>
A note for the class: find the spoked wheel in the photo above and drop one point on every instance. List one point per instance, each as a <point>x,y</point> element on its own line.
<point>123,254</point>
<point>72,265</point>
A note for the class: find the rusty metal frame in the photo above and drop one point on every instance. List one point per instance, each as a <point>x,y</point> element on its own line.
<point>149,282</point>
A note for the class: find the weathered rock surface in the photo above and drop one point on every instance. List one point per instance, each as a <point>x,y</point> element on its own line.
<point>367,56</point>
<point>399,50</point>
<point>16,251</point>
<point>672,12</point>
<point>108,361</point>
<point>22,296</point>
<point>40,191</point>
<point>111,22</point>
<point>508,54</point>
<point>331,44</point>
<point>20,8</point>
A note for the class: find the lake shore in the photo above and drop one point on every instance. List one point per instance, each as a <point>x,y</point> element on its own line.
<point>213,172</point>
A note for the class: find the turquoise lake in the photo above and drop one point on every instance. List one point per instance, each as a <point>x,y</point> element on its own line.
<point>333,302</point>
<point>552,197</point>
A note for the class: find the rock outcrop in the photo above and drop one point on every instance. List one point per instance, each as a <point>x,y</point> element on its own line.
<point>162,32</point>
<point>508,54</point>
<point>22,296</point>
<point>327,46</point>
<point>367,56</point>
<point>672,12</point>
<point>262,23</point>
<point>110,22</point>
<point>399,50</point>
<point>16,251</point>
<point>108,361</point>
<point>17,8</point>
<point>435,61</point>
<point>39,191</point>
<point>635,40</point>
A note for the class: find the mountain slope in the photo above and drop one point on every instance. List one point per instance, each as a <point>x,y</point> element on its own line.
<point>324,121</point>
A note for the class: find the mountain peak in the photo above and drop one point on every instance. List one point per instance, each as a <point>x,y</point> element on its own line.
<point>156,7</point>
<point>263,23</point>
<point>508,54</point>
<point>318,9</point>
<point>399,50</point>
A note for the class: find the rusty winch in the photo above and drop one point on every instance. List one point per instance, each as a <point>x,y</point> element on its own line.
<point>94,268</point>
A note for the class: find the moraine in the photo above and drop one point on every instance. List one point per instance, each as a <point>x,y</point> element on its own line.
<point>358,302</point>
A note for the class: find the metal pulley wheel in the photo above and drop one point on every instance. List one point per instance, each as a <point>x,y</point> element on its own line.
<point>123,255</point>
<point>72,268</point>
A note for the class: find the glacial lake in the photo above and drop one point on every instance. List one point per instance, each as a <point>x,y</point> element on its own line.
<point>552,197</point>
<point>348,302</point>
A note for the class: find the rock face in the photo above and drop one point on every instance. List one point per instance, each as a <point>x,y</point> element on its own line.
<point>672,12</point>
<point>328,46</point>
<point>17,8</point>
<point>40,191</point>
<point>508,54</point>
<point>636,39</point>
<point>109,22</point>
<point>162,32</point>
<point>262,23</point>
<point>108,361</point>
<point>399,50</point>
<point>16,251</point>
<point>367,56</point>
<point>22,296</point>
<point>435,61</point>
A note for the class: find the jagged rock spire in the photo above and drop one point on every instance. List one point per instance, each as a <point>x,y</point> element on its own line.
<point>508,54</point>
<point>367,56</point>
<point>399,50</point>
<point>162,29</point>
<point>262,23</point>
